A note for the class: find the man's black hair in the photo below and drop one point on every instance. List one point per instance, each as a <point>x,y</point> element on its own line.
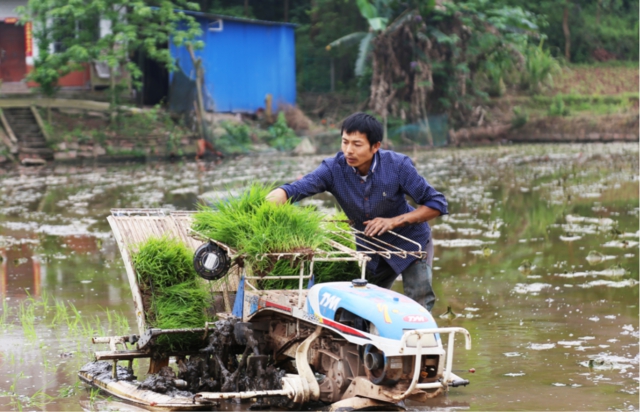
<point>365,124</point>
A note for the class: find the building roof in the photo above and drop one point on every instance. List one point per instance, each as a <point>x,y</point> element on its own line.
<point>212,16</point>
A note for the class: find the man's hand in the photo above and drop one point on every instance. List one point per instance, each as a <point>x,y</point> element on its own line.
<point>277,196</point>
<point>381,225</point>
<point>378,226</point>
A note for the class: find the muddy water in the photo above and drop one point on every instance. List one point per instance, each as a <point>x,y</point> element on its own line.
<point>538,260</point>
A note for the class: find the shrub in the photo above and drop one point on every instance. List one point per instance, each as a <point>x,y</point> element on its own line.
<point>281,136</point>
<point>540,67</point>
<point>237,138</point>
<point>520,117</point>
<point>557,107</point>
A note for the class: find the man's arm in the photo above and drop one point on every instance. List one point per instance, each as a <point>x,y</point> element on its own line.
<point>381,225</point>
<point>313,183</point>
<point>277,196</point>
<point>432,203</point>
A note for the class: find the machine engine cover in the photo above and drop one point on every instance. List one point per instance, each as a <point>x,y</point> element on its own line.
<point>391,313</point>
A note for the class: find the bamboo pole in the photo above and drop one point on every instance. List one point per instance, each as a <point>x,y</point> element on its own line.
<point>197,63</point>
<point>7,128</point>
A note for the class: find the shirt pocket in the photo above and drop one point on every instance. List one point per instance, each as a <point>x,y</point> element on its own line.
<point>389,197</point>
<point>388,206</point>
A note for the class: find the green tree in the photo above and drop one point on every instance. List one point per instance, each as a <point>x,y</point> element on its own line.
<point>580,27</point>
<point>134,25</point>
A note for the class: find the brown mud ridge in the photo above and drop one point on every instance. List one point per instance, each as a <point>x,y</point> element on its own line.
<point>233,361</point>
<point>549,129</point>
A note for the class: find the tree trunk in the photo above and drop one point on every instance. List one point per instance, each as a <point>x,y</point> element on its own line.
<point>333,77</point>
<point>385,133</point>
<point>246,8</point>
<point>113,101</point>
<point>286,11</point>
<point>427,130</point>
<point>565,29</point>
<point>200,111</point>
<point>598,5</point>
<point>112,86</point>
<point>314,20</point>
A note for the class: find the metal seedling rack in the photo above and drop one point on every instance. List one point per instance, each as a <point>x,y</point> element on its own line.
<point>338,252</point>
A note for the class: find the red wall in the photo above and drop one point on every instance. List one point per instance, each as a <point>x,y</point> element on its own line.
<point>79,78</point>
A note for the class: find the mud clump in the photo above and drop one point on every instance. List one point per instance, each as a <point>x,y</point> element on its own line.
<point>235,360</point>
<point>164,382</point>
<point>103,371</point>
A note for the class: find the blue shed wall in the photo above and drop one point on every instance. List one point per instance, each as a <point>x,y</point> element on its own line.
<point>243,63</point>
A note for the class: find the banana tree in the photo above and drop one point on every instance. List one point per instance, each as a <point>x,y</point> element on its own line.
<point>377,13</point>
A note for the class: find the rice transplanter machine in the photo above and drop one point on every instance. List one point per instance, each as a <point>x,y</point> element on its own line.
<point>352,345</point>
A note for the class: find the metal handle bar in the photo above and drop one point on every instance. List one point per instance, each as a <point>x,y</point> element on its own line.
<point>416,370</point>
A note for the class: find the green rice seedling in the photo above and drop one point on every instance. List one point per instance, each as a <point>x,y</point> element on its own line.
<point>339,271</point>
<point>27,317</point>
<point>67,391</point>
<point>254,227</point>
<point>97,329</point>
<point>6,310</point>
<point>228,220</point>
<point>162,262</point>
<point>72,322</point>
<point>40,399</point>
<point>173,295</point>
<point>181,306</point>
<point>121,323</point>
<point>61,315</point>
<point>16,400</point>
<point>43,303</point>
<point>257,227</point>
<point>109,320</point>
<point>94,395</point>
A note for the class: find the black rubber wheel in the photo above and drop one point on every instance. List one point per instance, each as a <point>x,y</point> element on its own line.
<point>211,262</point>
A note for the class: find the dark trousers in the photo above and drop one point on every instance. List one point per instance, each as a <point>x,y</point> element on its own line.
<point>416,279</point>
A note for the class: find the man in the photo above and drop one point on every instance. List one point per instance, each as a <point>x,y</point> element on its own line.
<point>370,185</point>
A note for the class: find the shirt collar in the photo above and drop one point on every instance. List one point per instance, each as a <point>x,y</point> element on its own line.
<point>372,168</point>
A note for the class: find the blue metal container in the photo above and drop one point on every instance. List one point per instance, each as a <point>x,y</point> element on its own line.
<point>243,61</point>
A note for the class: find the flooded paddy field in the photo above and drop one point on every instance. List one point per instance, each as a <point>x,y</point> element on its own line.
<point>538,260</point>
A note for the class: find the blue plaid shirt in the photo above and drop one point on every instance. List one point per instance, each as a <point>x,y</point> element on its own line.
<point>382,194</point>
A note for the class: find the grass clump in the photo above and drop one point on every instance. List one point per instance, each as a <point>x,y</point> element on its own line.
<point>172,293</point>
<point>254,226</point>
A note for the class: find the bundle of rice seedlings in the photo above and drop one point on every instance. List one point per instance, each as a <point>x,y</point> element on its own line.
<point>173,295</point>
<point>254,226</point>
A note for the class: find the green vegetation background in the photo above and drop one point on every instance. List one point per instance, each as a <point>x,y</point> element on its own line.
<point>611,25</point>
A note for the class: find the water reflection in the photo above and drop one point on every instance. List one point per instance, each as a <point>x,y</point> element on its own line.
<point>538,260</point>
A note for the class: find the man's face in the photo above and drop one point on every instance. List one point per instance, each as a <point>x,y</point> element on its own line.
<point>357,150</point>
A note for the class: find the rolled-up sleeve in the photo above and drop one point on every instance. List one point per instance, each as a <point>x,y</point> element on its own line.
<point>318,181</point>
<point>419,189</point>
